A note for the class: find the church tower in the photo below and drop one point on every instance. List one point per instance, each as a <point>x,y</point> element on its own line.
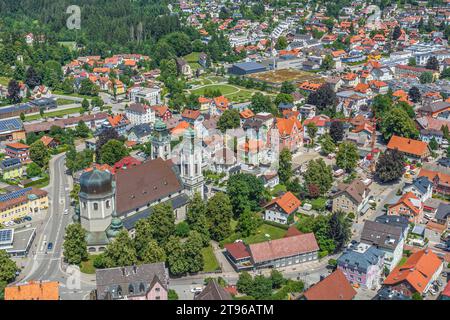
<point>191,164</point>
<point>160,141</point>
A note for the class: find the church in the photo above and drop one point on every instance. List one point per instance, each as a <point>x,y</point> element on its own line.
<point>108,204</point>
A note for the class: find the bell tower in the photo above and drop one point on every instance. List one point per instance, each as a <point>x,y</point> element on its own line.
<point>160,141</point>
<point>191,164</point>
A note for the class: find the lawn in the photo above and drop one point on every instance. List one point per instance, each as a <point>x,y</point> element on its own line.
<point>317,204</point>
<point>58,113</point>
<point>277,189</point>
<point>63,102</point>
<point>260,235</point>
<point>4,81</point>
<point>402,261</point>
<point>88,265</point>
<point>225,89</point>
<point>192,60</point>
<point>210,263</point>
<point>76,95</point>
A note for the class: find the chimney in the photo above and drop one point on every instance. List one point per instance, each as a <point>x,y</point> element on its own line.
<point>123,271</point>
<point>134,269</point>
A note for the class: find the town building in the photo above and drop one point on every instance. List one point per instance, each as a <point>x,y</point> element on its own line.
<point>411,148</point>
<point>333,287</point>
<point>33,290</point>
<point>351,197</point>
<point>23,202</point>
<point>11,168</point>
<point>282,209</point>
<point>139,113</point>
<point>213,291</point>
<point>19,151</point>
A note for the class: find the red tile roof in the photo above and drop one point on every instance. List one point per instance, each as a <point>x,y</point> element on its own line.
<point>284,247</point>
<point>17,145</point>
<point>333,287</point>
<point>237,250</point>
<point>190,114</point>
<point>409,146</point>
<point>417,270</point>
<point>288,202</point>
<point>34,290</point>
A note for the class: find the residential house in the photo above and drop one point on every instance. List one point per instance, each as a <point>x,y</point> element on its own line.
<point>362,265</point>
<point>351,197</point>
<point>204,104</point>
<point>387,238</point>
<point>191,116</point>
<point>12,130</point>
<point>396,221</point>
<point>183,67</point>
<point>442,215</point>
<point>334,287</point>
<point>441,180</point>
<point>282,209</point>
<point>137,282</point>
<point>421,187</point>
<point>409,205</point>
<point>33,290</point>
<point>19,151</point>
<point>213,291</point>
<point>290,133</point>
<point>118,122</point>
<point>11,168</point>
<point>322,123</point>
<point>414,149</point>
<point>140,133</point>
<point>22,202</point>
<point>49,142</point>
<point>139,113</point>
<point>417,274</point>
<point>150,96</point>
<point>439,109</point>
<point>162,112</point>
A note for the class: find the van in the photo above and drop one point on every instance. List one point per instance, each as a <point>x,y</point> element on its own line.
<point>427,216</point>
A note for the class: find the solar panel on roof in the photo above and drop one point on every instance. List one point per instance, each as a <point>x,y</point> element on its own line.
<point>10,124</point>
<point>6,235</point>
<point>14,194</point>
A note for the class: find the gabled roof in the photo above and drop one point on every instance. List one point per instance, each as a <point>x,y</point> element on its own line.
<point>213,291</point>
<point>286,126</point>
<point>409,146</point>
<point>381,235</point>
<point>288,202</point>
<point>33,290</point>
<point>333,287</point>
<point>418,270</point>
<point>410,200</point>
<point>17,145</point>
<point>190,114</point>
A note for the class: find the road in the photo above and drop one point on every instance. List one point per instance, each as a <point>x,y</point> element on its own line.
<point>47,264</point>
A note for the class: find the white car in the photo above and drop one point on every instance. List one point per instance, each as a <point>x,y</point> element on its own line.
<point>196,290</point>
<point>66,211</point>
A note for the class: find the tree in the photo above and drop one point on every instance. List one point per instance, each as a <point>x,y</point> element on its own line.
<point>120,252</point>
<point>14,92</point>
<point>261,103</point>
<point>337,131</point>
<point>261,287</point>
<point>245,191</point>
<point>311,129</point>
<point>281,43</point>
<point>196,217</point>
<point>324,98</point>
<point>412,62</point>
<point>389,166</point>
<point>113,151</point>
<point>8,268</point>
<point>347,156</point>
<point>287,87</point>
<point>143,236</point>
<point>283,98</point>
<point>416,296</point>
<point>105,136</point>
<point>414,94</point>
<point>277,279</point>
<point>175,256</point>
<point>244,283</point>
<point>162,220</point>
<point>85,105</point>
<point>230,119</point>
<point>192,251</point>
<point>220,213</point>
<point>397,122</point>
<point>381,104</point>
<point>33,170</point>
<point>396,33</point>
<point>172,295</point>
<point>432,63</point>
<point>319,174</point>
<point>82,130</point>
<point>426,77</point>
<point>152,253</point>
<point>75,245</point>
<point>39,154</point>
<point>67,85</point>
<point>433,144</point>
<point>248,222</point>
<point>285,170</point>
<point>327,62</point>
<point>340,229</point>
<point>32,78</point>
<point>88,88</point>
<point>327,144</point>
<point>445,74</point>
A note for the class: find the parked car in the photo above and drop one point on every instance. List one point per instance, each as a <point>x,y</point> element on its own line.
<point>27,218</point>
<point>66,211</point>
<point>50,246</point>
<point>196,290</point>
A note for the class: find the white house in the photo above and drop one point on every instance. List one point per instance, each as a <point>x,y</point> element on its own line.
<point>150,96</point>
<point>281,208</point>
<point>139,113</point>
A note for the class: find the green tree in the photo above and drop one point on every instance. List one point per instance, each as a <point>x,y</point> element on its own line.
<point>324,98</point>
<point>432,63</point>
<point>113,151</point>
<point>143,235</point>
<point>287,87</point>
<point>337,131</point>
<point>347,156</point>
<point>262,103</point>
<point>416,296</point>
<point>281,43</point>
<point>75,245</point>
<point>426,77</point>
<point>248,222</point>
<point>192,251</point>
<point>414,94</point>
<point>390,165</point>
<point>319,174</point>
<point>82,130</point>
<point>162,220</point>
<point>175,256</point>
<point>39,154</point>
<point>340,229</point>
<point>412,62</point>
<point>120,252</point>
<point>67,85</point>
<point>88,88</point>
<point>327,144</point>
<point>381,104</point>
<point>230,119</point>
<point>8,268</point>
<point>311,129</point>
<point>33,170</point>
<point>327,62</point>
<point>85,105</point>
<point>152,253</point>
<point>397,122</point>
<point>244,283</point>
<point>220,213</point>
<point>14,92</point>
<point>172,295</point>
<point>283,98</point>
<point>261,287</point>
<point>245,191</point>
<point>433,144</point>
<point>277,279</point>
<point>285,170</point>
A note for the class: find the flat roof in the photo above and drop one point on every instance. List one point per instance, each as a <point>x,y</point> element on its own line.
<point>22,240</point>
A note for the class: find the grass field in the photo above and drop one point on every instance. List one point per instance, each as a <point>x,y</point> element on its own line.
<point>260,235</point>
<point>58,113</point>
<point>210,263</point>
<point>4,81</point>
<point>76,95</point>
<point>63,102</point>
<point>192,60</point>
<point>224,89</point>
<point>88,265</point>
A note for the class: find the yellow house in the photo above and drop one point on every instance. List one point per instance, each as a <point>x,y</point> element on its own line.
<point>116,85</point>
<point>11,169</point>
<point>21,203</point>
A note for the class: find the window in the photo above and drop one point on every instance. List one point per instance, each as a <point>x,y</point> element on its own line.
<point>108,204</point>
<point>95,206</point>
<point>141,287</point>
<point>157,289</point>
<point>131,289</point>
